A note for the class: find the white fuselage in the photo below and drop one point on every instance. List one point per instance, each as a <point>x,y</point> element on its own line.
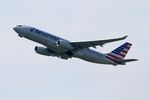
<point>50,41</point>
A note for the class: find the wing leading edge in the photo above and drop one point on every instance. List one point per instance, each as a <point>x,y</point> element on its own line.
<point>86,44</point>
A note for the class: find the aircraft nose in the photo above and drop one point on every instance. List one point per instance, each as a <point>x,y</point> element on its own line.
<point>15,28</point>
<point>18,30</point>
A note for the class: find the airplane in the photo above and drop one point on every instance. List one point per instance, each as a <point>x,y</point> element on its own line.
<point>64,49</point>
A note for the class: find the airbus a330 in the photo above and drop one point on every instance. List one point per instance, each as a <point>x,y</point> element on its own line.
<point>62,48</point>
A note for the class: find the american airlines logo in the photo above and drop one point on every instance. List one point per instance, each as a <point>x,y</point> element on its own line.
<point>44,34</point>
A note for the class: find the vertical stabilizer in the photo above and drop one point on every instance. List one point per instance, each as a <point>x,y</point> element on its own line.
<point>119,53</point>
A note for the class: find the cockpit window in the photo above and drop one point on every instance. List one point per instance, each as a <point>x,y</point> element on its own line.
<point>19,25</point>
<point>32,29</point>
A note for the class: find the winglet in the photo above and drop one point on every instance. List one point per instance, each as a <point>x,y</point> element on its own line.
<point>124,37</point>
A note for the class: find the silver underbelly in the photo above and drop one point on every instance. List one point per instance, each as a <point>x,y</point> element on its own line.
<point>91,56</point>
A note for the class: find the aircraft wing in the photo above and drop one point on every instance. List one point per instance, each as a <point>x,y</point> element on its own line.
<point>86,44</point>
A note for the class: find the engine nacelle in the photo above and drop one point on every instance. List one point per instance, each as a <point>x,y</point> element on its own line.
<point>64,44</point>
<point>44,51</point>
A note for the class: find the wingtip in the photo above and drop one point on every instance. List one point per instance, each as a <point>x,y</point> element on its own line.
<point>124,37</point>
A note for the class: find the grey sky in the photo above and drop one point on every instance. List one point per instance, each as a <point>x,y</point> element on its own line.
<point>25,75</point>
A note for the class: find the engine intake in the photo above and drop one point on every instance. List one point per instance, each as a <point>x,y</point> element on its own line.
<point>43,51</point>
<point>64,44</point>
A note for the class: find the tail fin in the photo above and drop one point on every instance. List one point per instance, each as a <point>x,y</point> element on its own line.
<point>119,53</point>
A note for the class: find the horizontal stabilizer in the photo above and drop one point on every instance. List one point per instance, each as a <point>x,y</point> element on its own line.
<point>123,62</point>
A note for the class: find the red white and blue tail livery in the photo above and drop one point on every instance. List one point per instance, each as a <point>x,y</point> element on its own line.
<point>117,56</point>
<point>119,53</point>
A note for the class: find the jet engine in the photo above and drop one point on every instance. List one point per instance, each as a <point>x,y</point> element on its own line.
<point>64,44</point>
<point>44,51</point>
